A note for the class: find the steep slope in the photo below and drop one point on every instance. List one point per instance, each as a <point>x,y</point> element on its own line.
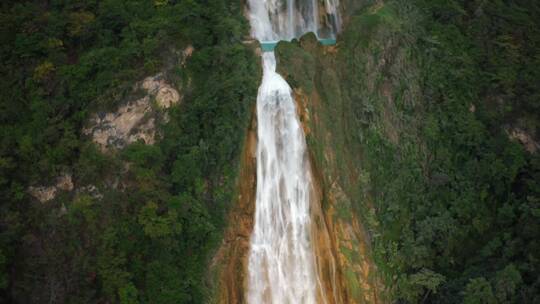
<point>412,141</point>
<point>229,266</point>
<point>337,243</point>
<point>106,196</point>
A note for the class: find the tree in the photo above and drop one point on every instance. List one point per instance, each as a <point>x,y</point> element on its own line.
<point>128,294</point>
<point>507,283</point>
<point>479,291</point>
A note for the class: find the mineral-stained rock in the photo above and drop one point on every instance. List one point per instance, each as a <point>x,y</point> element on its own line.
<point>230,263</point>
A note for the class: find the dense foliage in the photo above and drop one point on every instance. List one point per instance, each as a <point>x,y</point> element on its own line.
<point>456,201</point>
<point>422,100</point>
<point>451,203</point>
<point>147,242</point>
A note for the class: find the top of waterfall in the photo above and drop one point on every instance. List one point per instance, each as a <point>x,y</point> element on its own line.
<point>274,20</point>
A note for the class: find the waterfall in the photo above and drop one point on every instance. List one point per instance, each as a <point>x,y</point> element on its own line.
<point>281,265</point>
<point>287,19</point>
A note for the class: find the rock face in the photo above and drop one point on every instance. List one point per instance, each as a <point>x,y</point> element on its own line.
<point>342,242</point>
<point>525,139</point>
<point>91,190</point>
<point>342,249</point>
<point>47,193</point>
<point>166,96</point>
<point>134,120</point>
<point>124,126</point>
<point>42,193</point>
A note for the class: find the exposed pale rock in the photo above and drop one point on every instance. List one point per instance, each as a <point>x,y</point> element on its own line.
<point>122,127</point>
<point>42,193</point>
<point>188,51</point>
<point>152,84</point>
<point>134,120</point>
<point>166,96</point>
<point>47,193</point>
<point>64,182</point>
<point>524,138</point>
<point>91,190</point>
<point>145,132</point>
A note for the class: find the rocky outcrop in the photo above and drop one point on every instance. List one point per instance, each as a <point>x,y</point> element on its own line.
<point>135,120</point>
<point>524,138</point>
<point>90,190</point>
<point>47,193</point>
<point>65,183</point>
<point>166,96</point>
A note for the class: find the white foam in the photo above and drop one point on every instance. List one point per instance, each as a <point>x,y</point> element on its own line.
<point>281,266</point>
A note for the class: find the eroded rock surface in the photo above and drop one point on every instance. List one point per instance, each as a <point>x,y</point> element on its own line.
<point>524,138</point>
<point>135,120</point>
<point>90,190</point>
<point>47,193</point>
<point>166,96</point>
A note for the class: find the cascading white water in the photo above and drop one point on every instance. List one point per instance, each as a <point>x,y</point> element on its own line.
<point>273,20</point>
<point>281,261</point>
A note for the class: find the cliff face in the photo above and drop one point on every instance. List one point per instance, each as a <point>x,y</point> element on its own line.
<point>314,72</point>
<point>340,93</point>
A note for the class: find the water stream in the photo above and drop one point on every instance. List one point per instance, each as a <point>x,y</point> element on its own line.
<point>281,267</point>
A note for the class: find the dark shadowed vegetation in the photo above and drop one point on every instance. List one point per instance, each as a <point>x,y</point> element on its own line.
<point>147,240</point>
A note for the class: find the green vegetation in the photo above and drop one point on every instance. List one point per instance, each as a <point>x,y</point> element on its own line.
<point>148,239</point>
<point>456,201</point>
<point>420,100</point>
